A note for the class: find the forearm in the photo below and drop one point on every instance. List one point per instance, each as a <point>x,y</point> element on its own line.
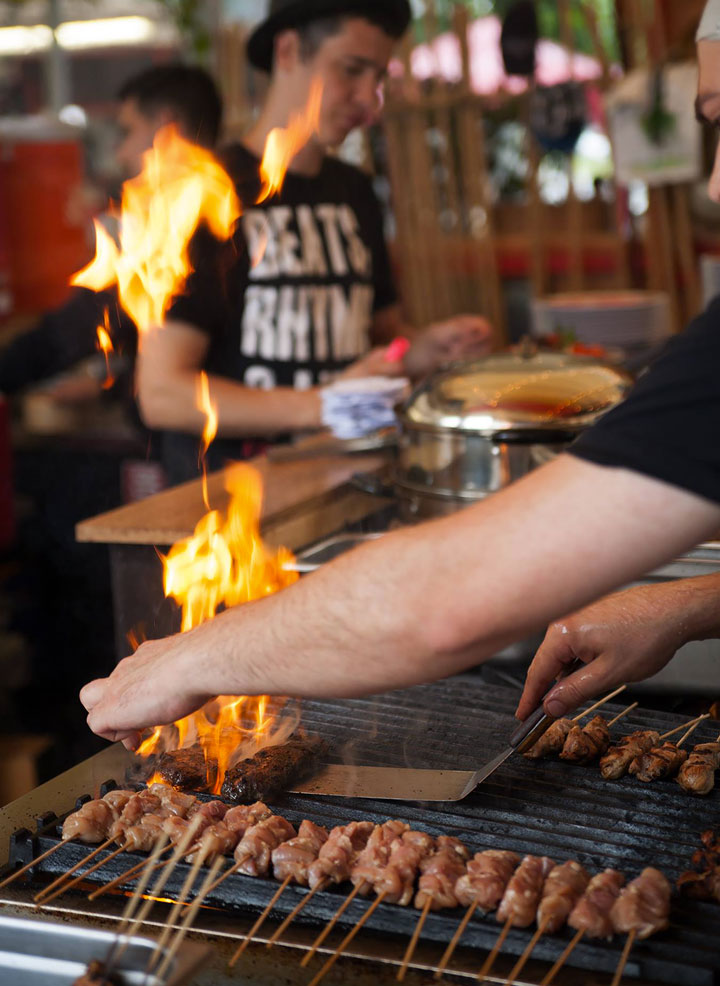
<point>693,604</point>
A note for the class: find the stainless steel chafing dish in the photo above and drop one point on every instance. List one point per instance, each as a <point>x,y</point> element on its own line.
<point>473,428</point>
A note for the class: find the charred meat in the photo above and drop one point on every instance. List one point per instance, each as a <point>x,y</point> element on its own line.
<point>587,743</point>
<point>644,905</point>
<point>661,761</point>
<point>273,770</point>
<point>552,741</point>
<point>697,774</point>
<point>188,769</point>
<point>618,758</point>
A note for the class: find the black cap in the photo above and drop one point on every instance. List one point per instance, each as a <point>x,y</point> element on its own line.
<point>286,14</point>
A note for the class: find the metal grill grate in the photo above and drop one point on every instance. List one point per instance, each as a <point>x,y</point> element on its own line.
<point>542,807</point>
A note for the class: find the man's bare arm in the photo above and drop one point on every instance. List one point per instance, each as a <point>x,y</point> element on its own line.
<point>168,365</point>
<point>421,603</point>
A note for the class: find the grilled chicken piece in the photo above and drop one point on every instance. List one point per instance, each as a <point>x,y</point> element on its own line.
<point>563,888</point>
<point>141,803</point>
<point>488,874</point>
<point>396,880</point>
<point>440,872</point>
<point>697,774</point>
<point>294,857</point>
<point>644,905</point>
<point>374,857</point>
<point>90,825</point>
<point>243,817</point>
<point>117,800</point>
<point>700,886</point>
<point>591,914</point>
<point>214,811</point>
<point>551,742</point>
<point>339,854</point>
<point>661,761</point>
<point>216,840</point>
<point>175,802</point>
<point>587,743</point>
<point>523,892</point>
<point>618,758</point>
<point>254,850</point>
<point>143,835</point>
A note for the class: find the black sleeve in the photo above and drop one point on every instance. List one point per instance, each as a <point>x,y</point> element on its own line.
<point>60,340</point>
<point>383,279</point>
<point>669,426</point>
<point>204,302</point>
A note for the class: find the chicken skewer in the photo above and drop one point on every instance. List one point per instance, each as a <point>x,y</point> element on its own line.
<point>697,774</point>
<point>554,737</point>
<point>583,745</point>
<point>641,910</point>
<point>662,761</point>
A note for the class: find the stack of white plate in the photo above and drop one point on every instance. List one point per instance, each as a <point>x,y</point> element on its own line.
<point>353,408</point>
<point>625,320</point>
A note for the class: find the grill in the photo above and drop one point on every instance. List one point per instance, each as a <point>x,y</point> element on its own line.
<point>546,808</point>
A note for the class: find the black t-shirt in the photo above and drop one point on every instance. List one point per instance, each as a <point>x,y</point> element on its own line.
<point>290,301</point>
<point>669,426</point>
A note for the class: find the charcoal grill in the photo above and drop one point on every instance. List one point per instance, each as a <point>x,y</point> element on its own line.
<point>546,807</point>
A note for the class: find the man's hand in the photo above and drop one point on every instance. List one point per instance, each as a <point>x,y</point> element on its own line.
<point>375,364</point>
<point>625,637</point>
<point>463,337</point>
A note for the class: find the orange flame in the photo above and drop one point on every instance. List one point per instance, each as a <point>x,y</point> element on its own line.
<point>180,186</point>
<point>105,345</point>
<point>226,563</point>
<point>210,430</point>
<point>283,143</point>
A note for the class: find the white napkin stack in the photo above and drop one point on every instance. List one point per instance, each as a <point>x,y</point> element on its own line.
<point>355,408</point>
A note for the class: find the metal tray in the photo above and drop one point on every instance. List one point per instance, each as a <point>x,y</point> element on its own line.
<point>43,953</point>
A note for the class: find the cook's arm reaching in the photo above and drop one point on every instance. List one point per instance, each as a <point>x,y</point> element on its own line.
<point>625,637</point>
<point>422,602</point>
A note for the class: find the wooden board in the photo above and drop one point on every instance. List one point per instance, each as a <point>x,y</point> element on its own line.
<point>173,515</point>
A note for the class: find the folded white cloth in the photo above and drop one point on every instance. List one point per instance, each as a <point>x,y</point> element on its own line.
<point>355,408</point>
<point>709,29</point>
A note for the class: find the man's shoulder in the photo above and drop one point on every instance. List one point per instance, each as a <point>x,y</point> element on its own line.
<point>341,170</point>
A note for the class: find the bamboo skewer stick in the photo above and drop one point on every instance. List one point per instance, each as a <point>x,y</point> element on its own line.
<point>452,945</point>
<point>126,876</point>
<point>332,922</point>
<point>679,729</point>
<point>621,715</point>
<point>563,958</point>
<point>185,892</point>
<point>623,958</point>
<point>490,960</point>
<point>295,911</point>
<point>522,961</point>
<point>602,701</point>
<point>258,924</point>
<point>347,939</point>
<point>39,859</point>
<point>689,732</point>
<point>230,872</point>
<point>412,944</point>
<point>189,918</point>
<point>44,897</point>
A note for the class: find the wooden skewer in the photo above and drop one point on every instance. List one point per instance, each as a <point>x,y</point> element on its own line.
<point>522,961</point>
<point>233,869</point>
<point>347,939</point>
<point>490,960</point>
<point>185,891</point>
<point>623,958</point>
<point>602,701</point>
<point>126,876</point>
<point>679,729</point>
<point>73,869</point>
<point>621,715</point>
<point>563,958</point>
<point>39,859</point>
<point>332,922</point>
<point>256,927</point>
<point>448,953</point>
<point>44,898</point>
<point>689,732</point>
<point>295,911</point>
<point>189,918</point>
<point>412,944</point>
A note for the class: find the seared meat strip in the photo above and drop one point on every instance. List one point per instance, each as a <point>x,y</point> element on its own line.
<point>374,857</point>
<point>563,888</point>
<point>188,769</point>
<point>294,857</point>
<point>552,741</point>
<point>440,872</point>
<point>619,757</point>
<point>661,761</point>
<point>272,770</point>
<point>91,824</point>
<point>697,774</point>
<point>488,874</point>
<point>591,914</point>
<point>586,743</point>
<point>339,854</point>
<point>644,905</point>
<point>523,892</point>
<point>254,850</point>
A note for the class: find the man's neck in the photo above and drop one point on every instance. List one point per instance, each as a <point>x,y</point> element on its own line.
<point>277,113</point>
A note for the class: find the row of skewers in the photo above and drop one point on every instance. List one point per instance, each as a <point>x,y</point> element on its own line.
<point>644,753</point>
<point>396,864</point>
<point>703,881</point>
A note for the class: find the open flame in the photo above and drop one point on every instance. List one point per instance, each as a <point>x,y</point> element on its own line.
<point>105,346</point>
<point>180,186</point>
<point>210,429</point>
<point>283,143</point>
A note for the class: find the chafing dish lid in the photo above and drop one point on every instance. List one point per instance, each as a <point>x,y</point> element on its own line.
<point>517,392</point>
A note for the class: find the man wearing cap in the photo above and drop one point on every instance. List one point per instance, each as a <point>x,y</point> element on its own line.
<point>306,289</point>
<point>425,602</point>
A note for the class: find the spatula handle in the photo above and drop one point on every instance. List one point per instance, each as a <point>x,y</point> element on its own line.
<point>529,732</point>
